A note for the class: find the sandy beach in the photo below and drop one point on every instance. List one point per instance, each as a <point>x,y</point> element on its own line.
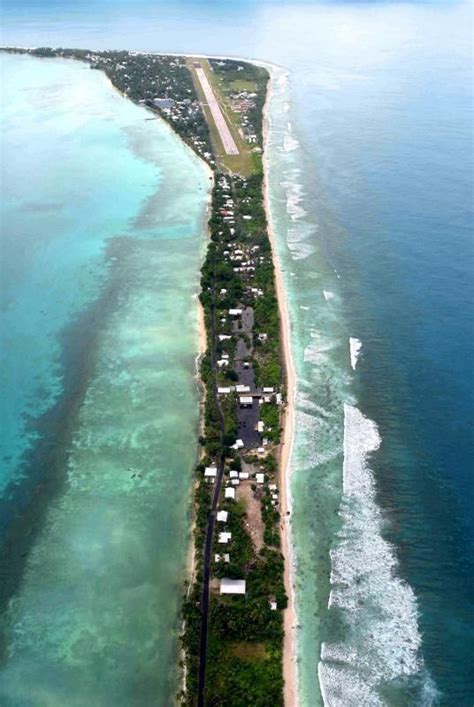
<point>289,650</point>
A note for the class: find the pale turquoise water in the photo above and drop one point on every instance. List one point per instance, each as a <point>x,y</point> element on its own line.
<point>104,230</point>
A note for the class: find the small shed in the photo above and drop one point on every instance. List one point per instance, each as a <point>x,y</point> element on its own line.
<point>229,492</point>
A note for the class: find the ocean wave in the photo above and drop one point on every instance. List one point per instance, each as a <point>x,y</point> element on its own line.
<point>355,346</point>
<point>379,610</point>
<point>290,143</point>
<point>294,196</point>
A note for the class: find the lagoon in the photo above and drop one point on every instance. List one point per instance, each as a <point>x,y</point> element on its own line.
<point>100,267</point>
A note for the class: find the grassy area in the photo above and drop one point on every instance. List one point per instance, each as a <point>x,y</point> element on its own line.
<point>243,85</point>
<point>246,162</point>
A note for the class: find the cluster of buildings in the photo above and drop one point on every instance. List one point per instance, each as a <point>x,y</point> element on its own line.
<point>243,102</point>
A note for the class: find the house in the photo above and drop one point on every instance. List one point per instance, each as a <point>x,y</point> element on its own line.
<point>243,475</point>
<point>260,478</point>
<point>224,538</point>
<point>260,426</point>
<point>224,337</point>
<point>223,391</point>
<point>229,493</point>
<point>242,388</point>
<point>245,400</point>
<point>232,586</point>
<point>222,516</point>
<point>273,605</point>
<point>210,472</point>
<point>268,390</point>
<point>235,312</point>
<point>163,103</point>
<point>234,474</point>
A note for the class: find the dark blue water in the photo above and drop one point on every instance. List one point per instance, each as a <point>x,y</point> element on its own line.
<point>381,102</point>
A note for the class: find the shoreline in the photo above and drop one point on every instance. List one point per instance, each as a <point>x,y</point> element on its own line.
<point>289,621</point>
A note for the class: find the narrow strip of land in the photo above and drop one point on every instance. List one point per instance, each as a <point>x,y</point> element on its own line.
<point>228,141</point>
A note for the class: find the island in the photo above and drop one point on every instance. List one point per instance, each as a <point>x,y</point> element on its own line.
<point>237,622</point>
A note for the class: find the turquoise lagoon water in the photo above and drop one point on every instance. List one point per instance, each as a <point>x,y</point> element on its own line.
<point>103,218</point>
<point>371,186</point>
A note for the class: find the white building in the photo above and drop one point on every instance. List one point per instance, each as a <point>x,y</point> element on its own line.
<point>229,492</point>
<point>222,516</point>
<point>232,586</point>
<point>210,472</point>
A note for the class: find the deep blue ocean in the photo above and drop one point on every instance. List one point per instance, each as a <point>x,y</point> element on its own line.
<point>374,176</point>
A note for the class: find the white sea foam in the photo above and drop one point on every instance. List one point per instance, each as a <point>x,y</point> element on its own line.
<point>328,295</point>
<point>290,143</point>
<point>382,642</point>
<point>355,346</point>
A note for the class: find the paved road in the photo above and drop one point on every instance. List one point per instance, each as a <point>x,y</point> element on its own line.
<point>228,141</point>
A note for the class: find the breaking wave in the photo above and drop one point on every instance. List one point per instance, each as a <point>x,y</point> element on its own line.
<point>381,643</point>
<point>355,346</point>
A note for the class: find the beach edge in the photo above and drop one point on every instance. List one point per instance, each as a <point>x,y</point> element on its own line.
<point>288,422</point>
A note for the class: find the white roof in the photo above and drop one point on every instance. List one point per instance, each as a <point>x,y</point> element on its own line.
<point>246,400</point>
<point>223,337</point>
<point>232,586</point>
<point>222,516</point>
<point>210,471</point>
<point>224,538</point>
<point>235,482</point>
<point>229,492</point>
<point>234,474</point>
<point>260,478</point>
<point>273,605</point>
<point>268,390</point>
<point>273,487</point>
<point>235,312</point>
<point>243,475</point>
<point>260,425</point>
<point>223,390</point>
<point>242,388</point>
